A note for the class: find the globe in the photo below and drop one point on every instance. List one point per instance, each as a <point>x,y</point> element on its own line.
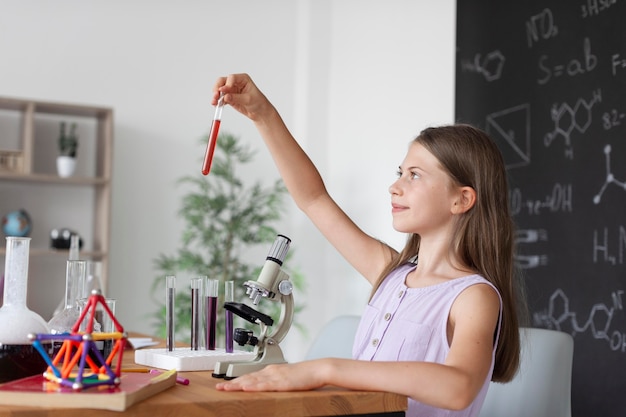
<point>17,223</point>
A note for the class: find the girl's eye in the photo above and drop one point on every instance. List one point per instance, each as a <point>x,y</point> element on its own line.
<point>413,175</point>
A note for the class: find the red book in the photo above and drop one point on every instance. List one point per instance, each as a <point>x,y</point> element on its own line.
<point>38,391</point>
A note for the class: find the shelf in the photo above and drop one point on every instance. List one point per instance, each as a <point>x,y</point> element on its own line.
<point>52,179</point>
<point>36,252</point>
<point>29,134</point>
<point>54,108</point>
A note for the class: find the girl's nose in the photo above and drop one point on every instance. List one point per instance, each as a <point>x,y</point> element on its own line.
<point>394,189</point>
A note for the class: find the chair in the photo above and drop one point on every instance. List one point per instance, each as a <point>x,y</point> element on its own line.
<point>542,387</point>
<point>335,339</point>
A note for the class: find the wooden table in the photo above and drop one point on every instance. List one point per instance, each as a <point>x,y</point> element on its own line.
<point>200,398</point>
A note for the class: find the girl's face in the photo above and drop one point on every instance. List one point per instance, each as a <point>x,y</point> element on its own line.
<point>423,197</point>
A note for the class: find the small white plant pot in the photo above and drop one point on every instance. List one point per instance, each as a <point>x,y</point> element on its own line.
<point>66,166</point>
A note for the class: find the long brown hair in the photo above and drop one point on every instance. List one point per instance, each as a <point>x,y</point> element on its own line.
<point>483,237</point>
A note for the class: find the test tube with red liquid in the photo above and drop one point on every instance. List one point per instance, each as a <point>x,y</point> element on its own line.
<point>215,129</point>
<point>229,296</point>
<point>212,289</point>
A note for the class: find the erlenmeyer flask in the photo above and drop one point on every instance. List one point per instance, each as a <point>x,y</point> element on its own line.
<point>18,357</point>
<point>93,279</point>
<point>63,321</point>
<point>74,254</point>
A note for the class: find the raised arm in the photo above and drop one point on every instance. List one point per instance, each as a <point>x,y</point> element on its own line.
<point>366,254</point>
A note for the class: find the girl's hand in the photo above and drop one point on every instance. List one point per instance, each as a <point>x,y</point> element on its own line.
<point>242,94</point>
<point>300,376</point>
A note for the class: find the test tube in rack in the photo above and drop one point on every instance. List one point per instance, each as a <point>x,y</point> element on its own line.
<point>229,296</point>
<point>212,292</point>
<point>170,301</point>
<point>196,312</point>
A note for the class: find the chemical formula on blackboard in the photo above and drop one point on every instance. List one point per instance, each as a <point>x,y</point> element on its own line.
<point>598,321</point>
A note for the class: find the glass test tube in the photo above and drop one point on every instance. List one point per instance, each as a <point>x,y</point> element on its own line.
<point>196,312</point>
<point>229,297</point>
<point>215,128</point>
<point>170,299</point>
<point>212,292</point>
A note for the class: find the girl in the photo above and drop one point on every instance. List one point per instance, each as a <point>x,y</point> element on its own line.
<point>442,319</point>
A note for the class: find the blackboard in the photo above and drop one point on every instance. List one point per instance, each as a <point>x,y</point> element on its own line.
<point>547,80</point>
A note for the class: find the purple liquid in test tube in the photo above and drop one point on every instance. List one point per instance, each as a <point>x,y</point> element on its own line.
<point>196,312</point>
<point>229,296</point>
<point>212,292</point>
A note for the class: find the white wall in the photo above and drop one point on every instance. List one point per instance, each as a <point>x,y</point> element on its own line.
<point>354,79</point>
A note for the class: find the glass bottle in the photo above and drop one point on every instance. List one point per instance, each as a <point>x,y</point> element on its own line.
<point>18,357</point>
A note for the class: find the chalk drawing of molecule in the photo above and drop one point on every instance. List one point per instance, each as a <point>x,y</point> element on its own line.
<point>560,317</point>
<point>568,119</point>
<point>610,178</point>
<point>490,66</point>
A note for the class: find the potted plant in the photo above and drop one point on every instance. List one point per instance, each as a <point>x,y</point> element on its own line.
<point>225,220</point>
<point>68,144</point>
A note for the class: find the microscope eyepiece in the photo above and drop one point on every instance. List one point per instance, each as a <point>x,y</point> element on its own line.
<point>279,249</point>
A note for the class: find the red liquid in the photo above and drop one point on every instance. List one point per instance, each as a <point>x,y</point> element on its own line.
<point>210,147</point>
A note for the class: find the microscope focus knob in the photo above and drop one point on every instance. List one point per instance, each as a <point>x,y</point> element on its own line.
<point>245,337</point>
<point>285,287</point>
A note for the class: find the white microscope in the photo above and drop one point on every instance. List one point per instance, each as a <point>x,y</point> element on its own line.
<point>273,283</point>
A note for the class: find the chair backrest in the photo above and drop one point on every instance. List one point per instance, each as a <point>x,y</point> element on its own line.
<point>336,338</point>
<point>542,387</point>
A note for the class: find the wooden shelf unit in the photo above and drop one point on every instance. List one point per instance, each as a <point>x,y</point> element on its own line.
<point>29,131</point>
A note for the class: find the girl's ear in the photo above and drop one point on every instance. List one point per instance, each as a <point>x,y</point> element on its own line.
<point>466,200</point>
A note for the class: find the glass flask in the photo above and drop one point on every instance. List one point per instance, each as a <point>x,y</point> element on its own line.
<point>75,274</point>
<point>93,278</point>
<point>73,255</point>
<point>18,357</point>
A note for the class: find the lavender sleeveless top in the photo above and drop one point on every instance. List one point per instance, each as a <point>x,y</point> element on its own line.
<point>409,324</point>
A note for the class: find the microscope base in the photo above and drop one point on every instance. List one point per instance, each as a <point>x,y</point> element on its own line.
<point>272,354</point>
<point>185,359</point>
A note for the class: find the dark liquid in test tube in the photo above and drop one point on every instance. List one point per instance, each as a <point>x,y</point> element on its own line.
<point>195,319</point>
<point>229,296</point>
<point>229,331</point>
<point>170,319</point>
<point>170,297</point>
<point>211,320</point>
